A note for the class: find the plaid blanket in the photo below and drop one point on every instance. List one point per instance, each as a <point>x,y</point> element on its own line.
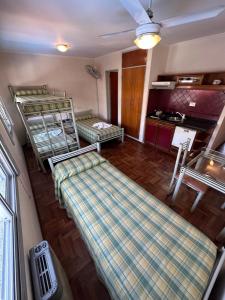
<point>54,143</point>
<point>92,134</point>
<point>142,248</point>
<point>39,103</point>
<point>74,166</point>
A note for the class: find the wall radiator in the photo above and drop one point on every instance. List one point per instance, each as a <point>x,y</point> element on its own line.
<point>46,282</point>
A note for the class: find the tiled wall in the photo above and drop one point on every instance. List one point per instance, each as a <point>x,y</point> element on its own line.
<point>208,104</point>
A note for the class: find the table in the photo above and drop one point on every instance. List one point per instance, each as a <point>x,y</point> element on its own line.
<point>209,168</point>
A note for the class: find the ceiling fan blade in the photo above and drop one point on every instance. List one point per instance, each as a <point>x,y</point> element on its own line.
<point>108,35</point>
<point>136,10</point>
<point>195,17</point>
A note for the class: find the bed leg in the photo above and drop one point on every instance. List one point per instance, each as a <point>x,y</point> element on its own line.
<point>42,166</point>
<point>122,136</point>
<point>98,147</point>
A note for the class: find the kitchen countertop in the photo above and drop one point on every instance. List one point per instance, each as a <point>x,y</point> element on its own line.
<point>190,122</point>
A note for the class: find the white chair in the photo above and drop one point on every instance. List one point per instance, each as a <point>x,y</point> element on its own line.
<point>196,185</point>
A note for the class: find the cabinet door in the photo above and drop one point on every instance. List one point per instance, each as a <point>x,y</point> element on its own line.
<point>164,137</point>
<point>132,95</point>
<point>150,133</point>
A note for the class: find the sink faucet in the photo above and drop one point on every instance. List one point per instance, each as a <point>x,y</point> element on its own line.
<point>182,116</point>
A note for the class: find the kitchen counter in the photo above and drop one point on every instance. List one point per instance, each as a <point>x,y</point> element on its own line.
<point>190,122</point>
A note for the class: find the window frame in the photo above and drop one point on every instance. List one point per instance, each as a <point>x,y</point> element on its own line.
<point>13,246</point>
<point>11,131</point>
<point>12,203</point>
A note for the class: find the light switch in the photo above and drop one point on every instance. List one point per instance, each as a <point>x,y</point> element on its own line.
<point>193,104</point>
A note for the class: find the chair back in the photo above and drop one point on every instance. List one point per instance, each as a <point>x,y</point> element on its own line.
<point>181,158</point>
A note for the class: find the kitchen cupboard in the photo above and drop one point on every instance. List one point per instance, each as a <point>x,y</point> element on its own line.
<point>133,76</point>
<point>159,134</point>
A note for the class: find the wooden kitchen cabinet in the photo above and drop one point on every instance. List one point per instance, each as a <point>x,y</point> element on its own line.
<point>164,136</point>
<point>159,134</point>
<point>150,132</point>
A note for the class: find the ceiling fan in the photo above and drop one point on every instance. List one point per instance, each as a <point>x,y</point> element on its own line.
<point>148,31</point>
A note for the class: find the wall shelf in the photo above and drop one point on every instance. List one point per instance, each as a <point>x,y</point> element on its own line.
<point>212,87</point>
<point>205,81</point>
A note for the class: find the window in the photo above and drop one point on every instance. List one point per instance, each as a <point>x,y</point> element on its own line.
<point>9,273</point>
<point>6,120</point>
<point>7,284</point>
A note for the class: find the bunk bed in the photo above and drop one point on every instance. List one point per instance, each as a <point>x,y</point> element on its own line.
<point>85,126</point>
<point>142,249</point>
<point>49,120</point>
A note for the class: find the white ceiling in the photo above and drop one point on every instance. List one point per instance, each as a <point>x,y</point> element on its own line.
<point>35,26</point>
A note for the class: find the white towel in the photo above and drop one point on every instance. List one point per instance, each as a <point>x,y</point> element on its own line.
<point>101,125</point>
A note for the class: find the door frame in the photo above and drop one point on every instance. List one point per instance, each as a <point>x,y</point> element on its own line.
<point>108,96</point>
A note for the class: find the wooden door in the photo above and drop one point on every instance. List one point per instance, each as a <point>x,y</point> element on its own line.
<point>132,96</point>
<point>113,82</point>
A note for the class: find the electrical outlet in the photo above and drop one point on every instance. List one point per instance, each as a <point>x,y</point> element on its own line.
<point>193,104</point>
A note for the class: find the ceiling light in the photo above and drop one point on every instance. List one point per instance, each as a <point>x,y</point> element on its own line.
<point>147,40</point>
<point>62,47</point>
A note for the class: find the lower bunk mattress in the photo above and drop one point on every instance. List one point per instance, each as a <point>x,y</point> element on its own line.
<point>141,248</point>
<point>91,134</point>
<point>53,142</point>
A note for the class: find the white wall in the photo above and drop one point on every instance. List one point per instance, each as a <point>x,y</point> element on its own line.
<point>156,64</point>
<point>199,55</point>
<point>63,73</point>
<point>218,136</point>
<point>112,61</point>
<point>31,232</point>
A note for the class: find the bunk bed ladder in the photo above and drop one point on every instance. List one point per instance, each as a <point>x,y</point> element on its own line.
<point>63,129</point>
<point>39,160</point>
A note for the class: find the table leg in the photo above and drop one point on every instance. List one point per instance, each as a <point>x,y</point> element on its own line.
<point>198,164</point>
<point>179,181</point>
<point>198,198</point>
<point>221,235</point>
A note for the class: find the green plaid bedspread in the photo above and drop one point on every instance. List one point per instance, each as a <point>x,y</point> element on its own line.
<point>92,134</point>
<point>142,248</point>
<point>54,143</point>
<point>39,103</point>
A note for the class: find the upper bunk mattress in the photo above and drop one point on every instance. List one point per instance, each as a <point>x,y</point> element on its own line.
<point>91,134</point>
<point>142,248</point>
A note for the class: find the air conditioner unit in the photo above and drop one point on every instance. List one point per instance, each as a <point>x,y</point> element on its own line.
<point>48,277</point>
<point>164,85</point>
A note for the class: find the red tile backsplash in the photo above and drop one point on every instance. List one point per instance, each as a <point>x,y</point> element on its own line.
<point>209,104</point>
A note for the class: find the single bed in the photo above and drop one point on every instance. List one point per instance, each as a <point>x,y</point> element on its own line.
<point>142,249</point>
<point>91,134</point>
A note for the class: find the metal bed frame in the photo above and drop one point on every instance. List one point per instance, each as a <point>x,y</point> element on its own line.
<point>66,141</point>
<point>220,258</point>
<point>100,140</point>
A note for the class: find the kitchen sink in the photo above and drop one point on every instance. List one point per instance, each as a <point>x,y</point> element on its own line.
<point>174,119</point>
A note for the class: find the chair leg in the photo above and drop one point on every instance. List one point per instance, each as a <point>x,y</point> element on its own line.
<point>177,187</point>
<point>198,198</point>
<point>221,235</point>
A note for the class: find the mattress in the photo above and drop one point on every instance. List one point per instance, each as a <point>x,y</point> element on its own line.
<point>53,141</point>
<point>142,248</point>
<point>41,103</point>
<point>92,134</point>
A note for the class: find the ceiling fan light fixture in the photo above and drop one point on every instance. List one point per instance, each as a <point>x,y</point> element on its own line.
<point>147,40</point>
<point>62,47</point>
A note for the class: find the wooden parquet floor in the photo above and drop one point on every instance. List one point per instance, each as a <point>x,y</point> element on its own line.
<point>147,166</point>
